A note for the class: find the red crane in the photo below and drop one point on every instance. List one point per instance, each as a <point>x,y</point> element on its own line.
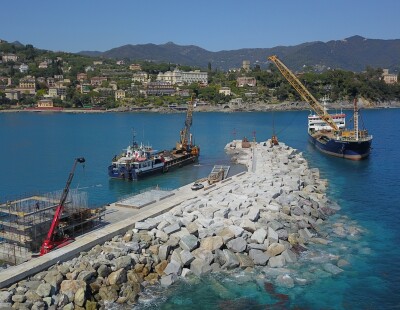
<point>53,239</point>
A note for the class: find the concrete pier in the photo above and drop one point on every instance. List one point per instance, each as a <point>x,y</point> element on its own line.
<point>120,220</point>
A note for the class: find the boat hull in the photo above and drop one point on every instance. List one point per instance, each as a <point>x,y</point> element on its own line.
<point>124,173</point>
<point>353,150</point>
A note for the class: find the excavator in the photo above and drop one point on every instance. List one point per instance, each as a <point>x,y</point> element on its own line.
<point>55,238</point>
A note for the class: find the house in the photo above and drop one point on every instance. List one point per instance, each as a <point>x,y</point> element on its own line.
<point>89,68</point>
<point>12,94</point>
<point>50,82</point>
<point>27,85</point>
<point>97,80</point>
<point>81,77</point>
<point>23,68</point>
<point>159,88</point>
<point>246,81</point>
<point>53,92</point>
<point>246,65</point>
<point>97,62</point>
<point>43,65</point>
<point>120,62</point>
<point>226,91</point>
<point>119,94</point>
<point>135,67</point>
<point>58,77</point>
<point>180,77</point>
<point>389,78</point>
<point>45,103</point>
<point>140,77</point>
<point>9,57</point>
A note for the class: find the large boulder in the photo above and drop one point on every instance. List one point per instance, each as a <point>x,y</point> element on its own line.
<point>237,245</point>
<point>117,277</point>
<point>199,266</point>
<point>70,287</point>
<point>109,293</point>
<point>45,290</point>
<point>189,242</point>
<point>275,249</point>
<point>259,235</point>
<point>259,257</point>
<point>212,243</point>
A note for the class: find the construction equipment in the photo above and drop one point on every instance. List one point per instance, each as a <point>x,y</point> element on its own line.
<point>55,238</point>
<point>303,92</point>
<point>185,142</point>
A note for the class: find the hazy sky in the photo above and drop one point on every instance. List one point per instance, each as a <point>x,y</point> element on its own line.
<point>215,25</point>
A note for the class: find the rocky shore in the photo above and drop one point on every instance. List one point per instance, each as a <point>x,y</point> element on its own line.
<point>266,219</point>
<point>256,106</point>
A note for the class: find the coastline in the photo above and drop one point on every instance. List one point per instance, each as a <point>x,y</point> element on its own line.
<point>224,108</point>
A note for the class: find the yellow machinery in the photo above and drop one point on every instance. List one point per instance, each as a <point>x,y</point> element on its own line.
<point>303,92</point>
<point>185,143</point>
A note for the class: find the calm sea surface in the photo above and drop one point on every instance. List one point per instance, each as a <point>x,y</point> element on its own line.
<point>38,150</point>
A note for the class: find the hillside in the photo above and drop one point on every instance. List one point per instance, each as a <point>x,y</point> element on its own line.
<point>354,53</point>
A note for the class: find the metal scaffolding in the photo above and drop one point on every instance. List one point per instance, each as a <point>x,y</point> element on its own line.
<point>25,222</point>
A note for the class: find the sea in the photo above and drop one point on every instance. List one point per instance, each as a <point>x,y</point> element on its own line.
<point>38,150</point>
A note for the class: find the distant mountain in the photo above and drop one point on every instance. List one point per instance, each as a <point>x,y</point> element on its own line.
<point>354,53</point>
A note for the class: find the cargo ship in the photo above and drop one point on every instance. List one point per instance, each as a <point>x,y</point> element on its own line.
<point>138,161</point>
<point>328,132</point>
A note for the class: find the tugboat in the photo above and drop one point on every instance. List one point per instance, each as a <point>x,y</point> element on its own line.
<point>327,132</point>
<point>138,161</point>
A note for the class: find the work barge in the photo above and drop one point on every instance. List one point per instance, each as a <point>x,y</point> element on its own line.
<point>24,222</point>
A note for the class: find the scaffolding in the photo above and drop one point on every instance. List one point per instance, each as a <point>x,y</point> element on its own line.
<point>25,222</point>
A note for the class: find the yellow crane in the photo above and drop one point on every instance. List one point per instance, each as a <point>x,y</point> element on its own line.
<point>185,142</point>
<point>303,92</point>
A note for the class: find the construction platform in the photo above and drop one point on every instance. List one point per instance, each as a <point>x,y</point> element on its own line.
<point>123,220</point>
<point>24,223</point>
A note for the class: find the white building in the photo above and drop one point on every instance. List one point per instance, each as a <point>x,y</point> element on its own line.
<point>181,77</point>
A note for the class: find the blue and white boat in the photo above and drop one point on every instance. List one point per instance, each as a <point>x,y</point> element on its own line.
<point>352,144</point>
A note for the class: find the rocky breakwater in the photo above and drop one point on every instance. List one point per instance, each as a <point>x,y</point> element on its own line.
<point>264,218</point>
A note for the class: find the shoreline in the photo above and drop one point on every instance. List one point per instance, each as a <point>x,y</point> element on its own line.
<point>255,107</point>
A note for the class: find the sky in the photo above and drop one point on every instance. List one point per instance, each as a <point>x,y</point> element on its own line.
<point>215,25</point>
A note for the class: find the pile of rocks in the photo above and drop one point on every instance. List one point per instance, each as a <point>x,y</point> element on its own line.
<point>264,217</point>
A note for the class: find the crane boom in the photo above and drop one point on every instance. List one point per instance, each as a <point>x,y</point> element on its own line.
<point>303,92</point>
<point>185,133</point>
<point>50,243</point>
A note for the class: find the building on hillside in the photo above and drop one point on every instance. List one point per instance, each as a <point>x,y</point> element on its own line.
<point>225,91</point>
<point>246,65</point>
<point>52,93</point>
<point>141,77</point>
<point>246,81</point>
<point>135,67</point>
<point>119,94</point>
<point>97,80</point>
<point>23,68</point>
<point>27,85</point>
<point>9,57</point>
<point>58,77</point>
<point>43,65</point>
<point>81,77</point>
<point>389,78</point>
<point>120,62</point>
<point>89,69</point>
<point>45,103</point>
<point>50,82</point>
<point>97,62</point>
<point>179,77</point>
<point>159,88</point>
<point>12,94</point>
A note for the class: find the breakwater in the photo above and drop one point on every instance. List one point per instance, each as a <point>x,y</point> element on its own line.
<point>265,218</point>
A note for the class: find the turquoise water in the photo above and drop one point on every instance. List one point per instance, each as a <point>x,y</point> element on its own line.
<point>38,149</point>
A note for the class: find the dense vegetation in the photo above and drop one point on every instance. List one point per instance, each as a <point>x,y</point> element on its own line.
<point>339,85</point>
